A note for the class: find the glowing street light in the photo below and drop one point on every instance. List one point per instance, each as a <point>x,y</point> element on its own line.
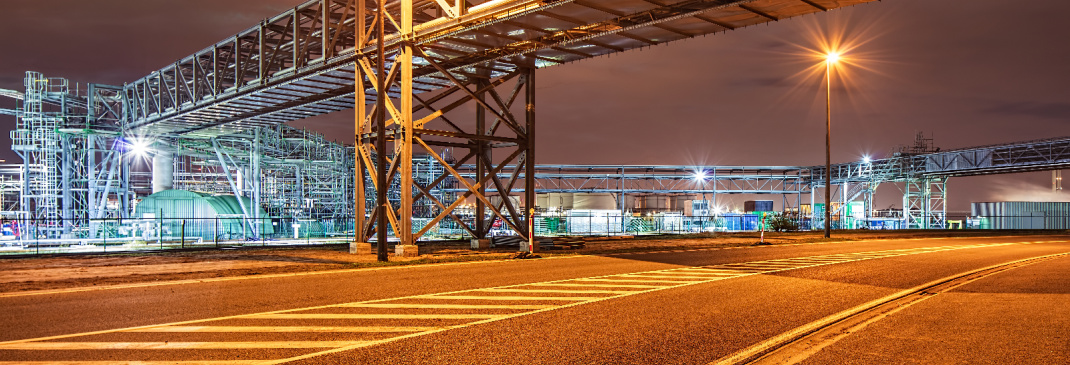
<point>699,176</point>
<point>830,59</point>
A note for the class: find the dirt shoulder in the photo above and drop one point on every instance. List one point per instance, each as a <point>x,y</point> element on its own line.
<point>73,271</point>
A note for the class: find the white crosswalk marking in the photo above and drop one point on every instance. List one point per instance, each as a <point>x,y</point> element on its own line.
<point>374,322</point>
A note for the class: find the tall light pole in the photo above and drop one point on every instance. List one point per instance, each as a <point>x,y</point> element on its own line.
<point>830,58</point>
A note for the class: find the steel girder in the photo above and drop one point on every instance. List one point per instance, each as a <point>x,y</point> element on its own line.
<point>408,122</point>
<point>666,179</point>
<point>1039,155</point>
<point>299,64</point>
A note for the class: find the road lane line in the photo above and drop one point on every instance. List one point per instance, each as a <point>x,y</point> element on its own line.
<point>637,280</point>
<point>176,345</point>
<point>601,285</point>
<point>591,291</point>
<point>239,329</point>
<point>444,306</point>
<point>685,272</point>
<point>659,275</point>
<point>490,297</point>
<point>372,316</point>
<point>195,362</point>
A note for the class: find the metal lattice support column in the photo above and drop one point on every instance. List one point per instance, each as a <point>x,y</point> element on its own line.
<point>423,124</point>
<point>924,203</point>
<point>936,203</point>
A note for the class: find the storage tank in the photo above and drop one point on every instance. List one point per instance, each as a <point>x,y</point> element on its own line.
<point>629,202</point>
<point>542,200</point>
<point>163,170</point>
<point>1022,215</point>
<point>562,201</point>
<point>681,203</point>
<point>594,201</point>
<point>515,199</point>
<point>202,212</point>
<point>654,202</point>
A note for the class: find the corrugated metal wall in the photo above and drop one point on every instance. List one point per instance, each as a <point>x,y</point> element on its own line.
<point>1022,215</point>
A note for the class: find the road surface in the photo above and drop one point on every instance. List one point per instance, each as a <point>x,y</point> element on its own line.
<point>674,307</point>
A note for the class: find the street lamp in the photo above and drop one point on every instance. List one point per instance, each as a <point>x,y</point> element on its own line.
<point>830,58</point>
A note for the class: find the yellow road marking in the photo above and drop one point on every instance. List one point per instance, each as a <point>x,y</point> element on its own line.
<point>372,316</point>
<point>196,362</point>
<point>445,306</point>
<point>488,297</point>
<point>593,291</point>
<point>284,329</point>
<point>697,273</point>
<point>664,276</point>
<point>603,285</point>
<point>638,280</point>
<point>175,345</point>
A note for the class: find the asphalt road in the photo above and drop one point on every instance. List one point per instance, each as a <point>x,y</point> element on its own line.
<point>691,307</point>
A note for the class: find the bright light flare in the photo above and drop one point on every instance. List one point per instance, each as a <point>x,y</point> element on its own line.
<point>835,49</point>
<point>866,159</point>
<point>138,147</point>
<point>699,176</point>
<point>833,57</point>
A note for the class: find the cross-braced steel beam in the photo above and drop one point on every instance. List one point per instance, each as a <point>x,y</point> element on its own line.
<point>401,123</point>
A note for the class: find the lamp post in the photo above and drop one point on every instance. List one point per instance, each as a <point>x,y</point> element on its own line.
<point>830,58</point>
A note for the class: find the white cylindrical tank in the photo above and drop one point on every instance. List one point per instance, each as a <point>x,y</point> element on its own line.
<point>596,201</point>
<point>163,170</point>
<point>681,203</point>
<point>655,202</point>
<point>514,199</point>
<point>560,200</point>
<point>542,200</point>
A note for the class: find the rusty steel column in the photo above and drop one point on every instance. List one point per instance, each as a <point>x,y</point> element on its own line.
<point>403,142</point>
<point>359,100</point>
<point>481,169</point>
<point>382,203</point>
<point>529,138</point>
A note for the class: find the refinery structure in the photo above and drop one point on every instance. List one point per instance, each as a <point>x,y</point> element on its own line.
<point>200,150</point>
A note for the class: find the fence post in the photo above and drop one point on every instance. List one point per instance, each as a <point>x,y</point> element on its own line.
<point>183,233</point>
<point>215,231</point>
<point>105,229</point>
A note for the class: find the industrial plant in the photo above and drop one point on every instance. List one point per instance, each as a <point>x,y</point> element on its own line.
<point>198,151</point>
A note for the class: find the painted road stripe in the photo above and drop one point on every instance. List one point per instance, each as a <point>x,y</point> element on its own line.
<point>488,297</point>
<point>196,362</point>
<point>602,285</point>
<point>285,329</point>
<point>660,275</point>
<point>176,345</point>
<point>444,306</point>
<point>695,273</point>
<point>372,316</point>
<point>592,291</point>
<point>636,280</point>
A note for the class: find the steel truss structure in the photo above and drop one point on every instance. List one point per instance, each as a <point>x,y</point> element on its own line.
<point>413,70</point>
<point>81,165</point>
<point>925,171</point>
<point>303,63</point>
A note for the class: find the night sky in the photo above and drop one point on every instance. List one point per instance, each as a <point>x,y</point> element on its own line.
<point>964,72</point>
